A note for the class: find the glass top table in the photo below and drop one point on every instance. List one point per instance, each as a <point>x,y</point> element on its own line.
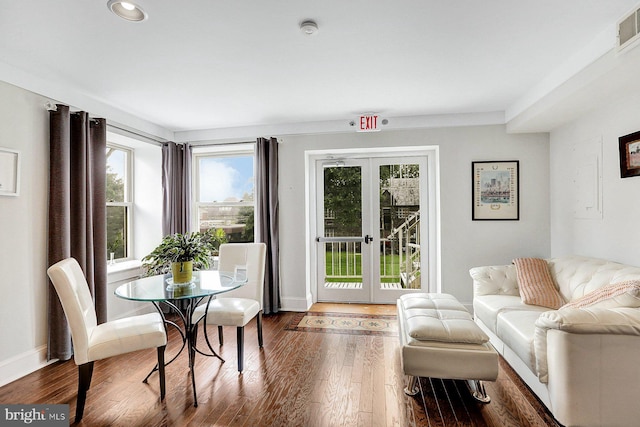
<point>160,289</point>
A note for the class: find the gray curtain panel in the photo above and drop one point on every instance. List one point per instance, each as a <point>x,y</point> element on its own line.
<point>267,215</point>
<point>176,188</point>
<point>77,213</point>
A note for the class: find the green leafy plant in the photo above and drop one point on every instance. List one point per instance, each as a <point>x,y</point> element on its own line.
<point>179,248</point>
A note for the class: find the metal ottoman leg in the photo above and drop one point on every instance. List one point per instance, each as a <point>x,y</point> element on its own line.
<point>412,388</point>
<point>478,391</point>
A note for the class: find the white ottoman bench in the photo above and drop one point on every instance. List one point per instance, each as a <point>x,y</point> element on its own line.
<point>439,339</point>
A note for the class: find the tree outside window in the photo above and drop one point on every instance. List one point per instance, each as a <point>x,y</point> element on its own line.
<point>118,192</point>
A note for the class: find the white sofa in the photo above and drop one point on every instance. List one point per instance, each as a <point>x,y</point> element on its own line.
<point>583,363</point>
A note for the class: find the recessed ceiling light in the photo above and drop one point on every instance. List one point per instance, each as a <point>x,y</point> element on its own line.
<point>309,27</point>
<point>127,10</point>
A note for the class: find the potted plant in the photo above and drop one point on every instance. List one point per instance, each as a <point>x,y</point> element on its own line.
<point>180,254</point>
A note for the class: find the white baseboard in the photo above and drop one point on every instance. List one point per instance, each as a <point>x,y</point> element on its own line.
<point>23,364</point>
<point>296,304</point>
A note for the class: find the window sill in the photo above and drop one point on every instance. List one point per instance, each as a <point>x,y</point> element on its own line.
<point>124,270</point>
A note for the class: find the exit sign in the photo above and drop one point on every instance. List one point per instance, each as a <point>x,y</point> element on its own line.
<point>368,123</point>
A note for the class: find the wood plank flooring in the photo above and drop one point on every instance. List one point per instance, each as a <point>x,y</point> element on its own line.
<point>297,379</point>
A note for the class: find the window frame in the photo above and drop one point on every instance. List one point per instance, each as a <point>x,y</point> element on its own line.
<point>220,151</point>
<point>128,196</point>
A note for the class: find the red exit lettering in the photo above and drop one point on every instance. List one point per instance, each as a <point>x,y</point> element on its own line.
<point>368,124</point>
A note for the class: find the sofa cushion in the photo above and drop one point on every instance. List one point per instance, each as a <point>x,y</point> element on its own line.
<point>495,280</point>
<point>625,294</point>
<point>487,307</point>
<point>517,329</point>
<point>536,284</point>
<point>576,276</point>
<point>439,317</point>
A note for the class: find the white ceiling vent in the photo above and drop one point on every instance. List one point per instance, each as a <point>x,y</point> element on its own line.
<point>629,30</point>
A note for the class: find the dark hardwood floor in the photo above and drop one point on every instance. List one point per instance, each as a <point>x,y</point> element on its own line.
<point>297,379</point>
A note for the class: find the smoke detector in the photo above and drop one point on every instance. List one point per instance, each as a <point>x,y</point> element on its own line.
<point>309,27</point>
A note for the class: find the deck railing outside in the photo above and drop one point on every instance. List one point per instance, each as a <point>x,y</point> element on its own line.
<point>399,258</point>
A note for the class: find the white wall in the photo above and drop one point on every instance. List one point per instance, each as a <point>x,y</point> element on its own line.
<point>616,235</point>
<point>465,243</point>
<point>24,126</point>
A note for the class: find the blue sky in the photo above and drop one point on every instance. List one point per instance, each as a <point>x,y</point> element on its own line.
<point>225,177</point>
<point>116,162</point>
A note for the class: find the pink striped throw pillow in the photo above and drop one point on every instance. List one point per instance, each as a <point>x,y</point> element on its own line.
<point>536,284</point>
<point>623,294</point>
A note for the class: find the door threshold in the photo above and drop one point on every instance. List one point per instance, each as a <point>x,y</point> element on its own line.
<point>353,308</point>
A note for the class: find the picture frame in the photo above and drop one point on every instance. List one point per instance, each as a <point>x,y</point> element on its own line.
<point>629,146</point>
<point>495,190</point>
<point>9,172</point>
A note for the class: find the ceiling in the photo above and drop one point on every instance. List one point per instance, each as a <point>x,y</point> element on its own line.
<point>205,64</point>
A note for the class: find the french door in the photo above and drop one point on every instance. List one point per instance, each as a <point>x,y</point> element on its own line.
<point>370,227</point>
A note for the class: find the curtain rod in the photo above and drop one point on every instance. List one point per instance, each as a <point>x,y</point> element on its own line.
<point>129,132</point>
<point>52,106</point>
<point>207,143</point>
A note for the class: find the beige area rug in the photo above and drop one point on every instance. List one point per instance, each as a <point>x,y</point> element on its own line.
<point>345,323</point>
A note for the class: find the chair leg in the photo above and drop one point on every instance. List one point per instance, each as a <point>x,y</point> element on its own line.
<point>240,347</point>
<point>161,371</point>
<point>220,335</point>
<point>259,320</point>
<point>85,372</point>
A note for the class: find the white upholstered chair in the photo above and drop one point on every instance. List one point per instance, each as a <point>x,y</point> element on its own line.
<point>93,342</point>
<point>237,307</point>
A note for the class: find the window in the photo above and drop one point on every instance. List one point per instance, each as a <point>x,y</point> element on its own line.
<point>224,193</point>
<point>119,201</point>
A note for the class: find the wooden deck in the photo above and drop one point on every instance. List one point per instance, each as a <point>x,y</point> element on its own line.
<point>357,285</point>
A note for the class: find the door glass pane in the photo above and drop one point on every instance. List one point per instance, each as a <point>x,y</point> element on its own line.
<point>343,201</point>
<point>400,261</point>
<point>343,218</point>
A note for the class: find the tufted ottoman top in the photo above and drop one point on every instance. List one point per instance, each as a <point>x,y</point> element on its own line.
<point>440,317</point>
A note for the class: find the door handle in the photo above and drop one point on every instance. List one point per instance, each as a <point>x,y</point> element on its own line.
<point>367,239</point>
<point>338,239</point>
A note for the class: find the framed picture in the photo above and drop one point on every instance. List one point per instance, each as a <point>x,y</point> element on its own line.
<point>630,155</point>
<point>9,172</point>
<point>496,192</point>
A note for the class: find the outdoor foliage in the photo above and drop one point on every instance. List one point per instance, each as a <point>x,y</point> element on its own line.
<point>213,238</point>
<point>116,215</point>
<point>246,217</point>
<point>343,196</point>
